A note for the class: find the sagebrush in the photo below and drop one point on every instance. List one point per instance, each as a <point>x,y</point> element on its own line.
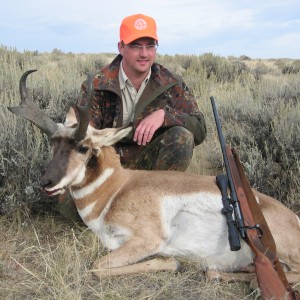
<point>258,102</point>
<point>49,257</point>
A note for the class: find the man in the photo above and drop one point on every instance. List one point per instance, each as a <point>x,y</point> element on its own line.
<point>134,89</point>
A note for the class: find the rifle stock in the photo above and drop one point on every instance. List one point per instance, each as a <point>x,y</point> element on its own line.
<point>256,233</point>
<point>270,276</point>
<point>269,282</point>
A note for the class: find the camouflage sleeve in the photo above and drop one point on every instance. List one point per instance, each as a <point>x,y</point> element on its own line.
<point>182,109</point>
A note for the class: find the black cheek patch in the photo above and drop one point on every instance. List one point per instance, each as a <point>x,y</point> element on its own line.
<point>93,162</point>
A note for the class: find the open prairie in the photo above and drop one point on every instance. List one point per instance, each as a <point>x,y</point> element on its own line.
<point>43,255</point>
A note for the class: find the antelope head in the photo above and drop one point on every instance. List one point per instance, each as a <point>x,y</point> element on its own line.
<point>75,144</point>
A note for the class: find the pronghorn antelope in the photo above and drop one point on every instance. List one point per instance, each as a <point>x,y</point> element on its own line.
<point>138,214</point>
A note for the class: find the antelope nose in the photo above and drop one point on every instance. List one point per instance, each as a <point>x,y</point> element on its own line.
<point>45,181</point>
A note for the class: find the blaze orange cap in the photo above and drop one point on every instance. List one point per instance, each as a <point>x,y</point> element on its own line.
<point>137,26</point>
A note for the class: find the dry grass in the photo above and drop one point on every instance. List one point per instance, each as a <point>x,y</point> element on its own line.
<point>49,258</point>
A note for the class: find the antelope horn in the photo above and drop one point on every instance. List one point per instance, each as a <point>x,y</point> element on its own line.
<point>31,112</point>
<point>84,111</point>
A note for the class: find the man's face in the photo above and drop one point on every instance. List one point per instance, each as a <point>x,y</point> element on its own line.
<point>138,56</point>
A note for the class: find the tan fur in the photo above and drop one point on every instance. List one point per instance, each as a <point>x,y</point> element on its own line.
<point>281,220</point>
<point>138,214</point>
<point>285,228</point>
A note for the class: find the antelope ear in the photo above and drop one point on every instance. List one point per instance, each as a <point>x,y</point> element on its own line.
<point>109,136</point>
<point>71,119</point>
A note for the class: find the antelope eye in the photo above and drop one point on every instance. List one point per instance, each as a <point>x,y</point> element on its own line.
<point>82,149</point>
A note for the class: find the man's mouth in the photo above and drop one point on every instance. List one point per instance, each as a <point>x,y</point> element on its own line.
<point>143,61</point>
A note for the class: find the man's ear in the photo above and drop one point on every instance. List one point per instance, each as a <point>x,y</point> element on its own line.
<point>120,47</point>
<point>71,119</point>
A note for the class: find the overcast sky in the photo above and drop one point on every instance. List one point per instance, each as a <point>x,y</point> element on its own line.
<point>258,29</point>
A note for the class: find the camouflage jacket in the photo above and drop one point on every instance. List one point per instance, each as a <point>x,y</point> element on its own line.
<point>163,91</point>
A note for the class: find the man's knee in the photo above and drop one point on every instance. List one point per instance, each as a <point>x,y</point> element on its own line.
<point>177,149</point>
<point>180,135</point>
<point>172,150</point>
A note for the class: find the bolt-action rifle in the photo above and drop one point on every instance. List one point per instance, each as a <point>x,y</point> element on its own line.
<point>245,219</point>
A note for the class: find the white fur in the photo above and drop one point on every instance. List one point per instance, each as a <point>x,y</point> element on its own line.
<point>111,236</point>
<point>74,177</point>
<point>186,220</point>
<point>86,211</point>
<point>89,189</point>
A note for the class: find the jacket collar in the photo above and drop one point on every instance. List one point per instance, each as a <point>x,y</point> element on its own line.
<point>108,77</point>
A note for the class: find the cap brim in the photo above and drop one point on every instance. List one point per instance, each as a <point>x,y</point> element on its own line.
<point>138,36</point>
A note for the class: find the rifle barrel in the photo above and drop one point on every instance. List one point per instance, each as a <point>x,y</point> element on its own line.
<point>233,195</point>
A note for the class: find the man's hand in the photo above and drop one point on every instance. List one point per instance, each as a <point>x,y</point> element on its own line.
<point>145,130</point>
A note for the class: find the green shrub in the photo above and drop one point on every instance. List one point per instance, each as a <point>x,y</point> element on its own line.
<point>260,118</point>
<point>221,68</point>
<point>288,66</point>
<point>265,128</point>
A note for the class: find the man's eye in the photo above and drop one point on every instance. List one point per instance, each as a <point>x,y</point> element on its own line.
<point>135,46</point>
<point>140,47</point>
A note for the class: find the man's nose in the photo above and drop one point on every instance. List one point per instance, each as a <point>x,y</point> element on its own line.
<point>143,50</point>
